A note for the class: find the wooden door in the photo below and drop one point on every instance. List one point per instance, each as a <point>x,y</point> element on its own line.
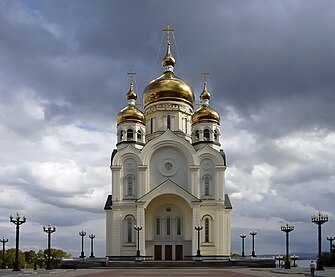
<point>158,252</point>
<point>168,252</point>
<point>179,252</point>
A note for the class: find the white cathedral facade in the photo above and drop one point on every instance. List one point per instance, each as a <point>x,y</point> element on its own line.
<point>168,175</point>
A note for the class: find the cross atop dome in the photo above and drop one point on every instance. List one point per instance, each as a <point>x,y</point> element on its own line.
<point>169,61</point>
<point>168,31</point>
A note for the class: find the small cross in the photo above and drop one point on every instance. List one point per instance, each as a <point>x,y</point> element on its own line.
<point>168,29</point>
<point>205,74</point>
<point>131,75</point>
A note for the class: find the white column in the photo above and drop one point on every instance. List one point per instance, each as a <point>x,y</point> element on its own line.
<point>141,222</point>
<point>195,222</point>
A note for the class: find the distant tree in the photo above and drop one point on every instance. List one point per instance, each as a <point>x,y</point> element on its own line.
<point>30,258</point>
<point>328,259</point>
<point>10,257</point>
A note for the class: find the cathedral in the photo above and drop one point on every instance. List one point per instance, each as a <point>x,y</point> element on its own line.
<point>168,196</point>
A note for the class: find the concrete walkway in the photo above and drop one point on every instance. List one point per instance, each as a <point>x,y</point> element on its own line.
<point>172,272</point>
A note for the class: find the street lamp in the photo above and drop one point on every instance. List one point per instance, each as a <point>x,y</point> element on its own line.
<point>138,229</point>
<point>294,258</point>
<point>331,238</point>
<point>319,219</point>
<point>253,234</point>
<point>17,220</point>
<point>92,236</point>
<point>82,234</point>
<point>3,241</point>
<point>287,228</point>
<point>198,228</point>
<point>243,236</point>
<point>49,230</point>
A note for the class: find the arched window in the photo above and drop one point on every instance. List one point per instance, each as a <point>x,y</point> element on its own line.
<point>121,135</point>
<point>206,229</point>
<point>207,235</point>
<point>139,135</point>
<point>207,185</point>
<point>206,134</point>
<point>130,134</point>
<point>168,121</point>
<point>129,233</point>
<point>130,186</point>
<point>197,135</point>
<point>216,135</point>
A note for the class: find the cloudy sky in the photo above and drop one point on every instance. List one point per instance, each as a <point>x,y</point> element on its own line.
<point>63,79</point>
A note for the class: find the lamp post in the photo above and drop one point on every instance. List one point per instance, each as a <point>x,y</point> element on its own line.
<point>92,236</point>
<point>3,241</point>
<point>253,234</point>
<point>17,220</point>
<point>319,219</point>
<point>82,234</point>
<point>138,229</point>
<point>331,238</point>
<point>243,236</point>
<point>49,230</point>
<point>294,258</point>
<point>287,228</point>
<point>198,228</point>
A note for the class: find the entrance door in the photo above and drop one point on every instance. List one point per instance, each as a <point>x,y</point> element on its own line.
<point>158,252</point>
<point>179,252</point>
<point>168,252</point>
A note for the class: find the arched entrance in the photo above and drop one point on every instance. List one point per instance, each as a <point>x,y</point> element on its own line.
<point>168,233</point>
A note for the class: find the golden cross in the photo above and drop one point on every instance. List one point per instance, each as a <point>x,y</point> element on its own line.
<point>205,73</point>
<point>168,29</point>
<point>131,75</point>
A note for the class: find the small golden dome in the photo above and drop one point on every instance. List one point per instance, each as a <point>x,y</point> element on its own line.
<point>168,60</point>
<point>168,87</point>
<point>205,95</point>
<point>130,114</point>
<point>205,114</point>
<point>131,95</point>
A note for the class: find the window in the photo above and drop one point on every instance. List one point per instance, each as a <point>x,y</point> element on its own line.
<point>130,134</point>
<point>158,226</point>
<point>207,229</point>
<point>206,134</point>
<point>139,135</point>
<point>207,235</point>
<point>186,125</point>
<point>121,135</point>
<point>207,185</point>
<point>168,226</point>
<point>130,185</point>
<point>168,121</point>
<point>151,125</point>
<point>216,135</point>
<point>129,233</point>
<point>178,226</point>
<point>197,135</point>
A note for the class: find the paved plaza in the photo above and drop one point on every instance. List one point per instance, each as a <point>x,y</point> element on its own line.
<point>172,272</point>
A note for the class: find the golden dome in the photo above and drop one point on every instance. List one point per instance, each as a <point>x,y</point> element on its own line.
<point>131,113</point>
<point>168,87</point>
<point>205,114</point>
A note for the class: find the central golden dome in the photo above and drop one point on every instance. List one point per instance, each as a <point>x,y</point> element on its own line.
<point>168,87</point>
